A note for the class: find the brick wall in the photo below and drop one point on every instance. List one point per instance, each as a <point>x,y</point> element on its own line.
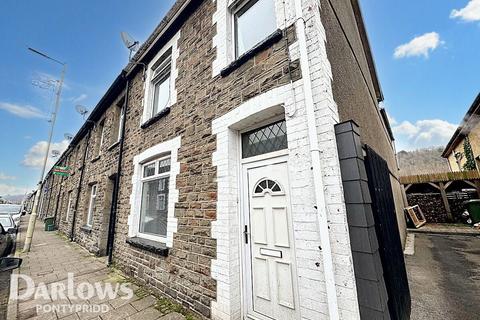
<point>186,273</point>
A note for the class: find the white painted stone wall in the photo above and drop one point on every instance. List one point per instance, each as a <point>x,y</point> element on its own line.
<point>226,269</point>
<point>326,117</point>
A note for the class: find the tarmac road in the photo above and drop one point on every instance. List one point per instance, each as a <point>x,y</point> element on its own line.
<point>444,277</point>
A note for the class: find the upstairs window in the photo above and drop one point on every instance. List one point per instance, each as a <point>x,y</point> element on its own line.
<point>254,22</point>
<point>117,125</point>
<point>160,85</point>
<point>100,136</point>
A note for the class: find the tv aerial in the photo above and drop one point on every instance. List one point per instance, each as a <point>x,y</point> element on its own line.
<point>55,153</point>
<point>82,110</point>
<point>130,43</point>
<point>68,136</point>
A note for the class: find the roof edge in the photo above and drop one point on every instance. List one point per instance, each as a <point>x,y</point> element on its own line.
<point>460,132</point>
<point>367,48</point>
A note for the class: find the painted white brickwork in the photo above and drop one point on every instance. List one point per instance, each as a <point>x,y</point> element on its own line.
<point>326,117</point>
<point>226,269</point>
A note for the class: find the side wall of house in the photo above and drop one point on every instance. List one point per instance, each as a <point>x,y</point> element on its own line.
<point>353,88</point>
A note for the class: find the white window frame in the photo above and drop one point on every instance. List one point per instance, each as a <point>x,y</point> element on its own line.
<point>150,75</point>
<point>69,205</point>
<point>224,20</point>
<point>155,176</point>
<point>160,151</point>
<point>91,205</point>
<point>102,136</point>
<point>235,8</point>
<point>120,124</point>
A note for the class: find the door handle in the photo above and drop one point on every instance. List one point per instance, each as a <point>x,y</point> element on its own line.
<point>246,233</point>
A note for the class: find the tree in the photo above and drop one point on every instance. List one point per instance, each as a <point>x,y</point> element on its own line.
<point>470,159</point>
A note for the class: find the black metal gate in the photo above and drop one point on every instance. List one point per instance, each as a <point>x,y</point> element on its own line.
<point>386,227</point>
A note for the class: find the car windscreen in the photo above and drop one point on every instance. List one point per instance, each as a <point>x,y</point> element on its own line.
<point>6,222</point>
<point>9,208</point>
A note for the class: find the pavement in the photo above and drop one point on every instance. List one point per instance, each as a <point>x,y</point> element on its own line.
<point>444,277</point>
<point>55,264</point>
<point>447,229</point>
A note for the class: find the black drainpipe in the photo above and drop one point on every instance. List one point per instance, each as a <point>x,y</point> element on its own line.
<point>79,185</point>
<point>113,208</point>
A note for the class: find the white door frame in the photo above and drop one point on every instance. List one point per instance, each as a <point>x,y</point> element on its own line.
<point>244,217</point>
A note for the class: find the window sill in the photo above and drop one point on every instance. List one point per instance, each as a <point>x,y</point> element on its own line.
<point>149,245</point>
<point>113,145</point>
<point>270,40</point>
<point>155,118</point>
<point>95,159</point>
<point>86,229</point>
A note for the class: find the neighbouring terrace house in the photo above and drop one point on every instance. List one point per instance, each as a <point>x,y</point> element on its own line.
<point>467,133</point>
<point>240,165</point>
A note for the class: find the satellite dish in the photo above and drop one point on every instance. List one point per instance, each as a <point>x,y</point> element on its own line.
<point>55,153</point>
<point>130,43</point>
<point>68,136</point>
<point>82,110</point>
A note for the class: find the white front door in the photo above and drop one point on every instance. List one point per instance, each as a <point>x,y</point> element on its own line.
<point>270,276</point>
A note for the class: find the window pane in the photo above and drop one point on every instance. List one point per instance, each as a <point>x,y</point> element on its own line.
<point>255,24</point>
<point>149,170</point>
<point>264,140</point>
<point>154,210</point>
<point>6,222</point>
<point>161,95</point>
<point>164,166</point>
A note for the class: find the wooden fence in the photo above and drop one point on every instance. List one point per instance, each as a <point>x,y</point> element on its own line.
<point>440,177</point>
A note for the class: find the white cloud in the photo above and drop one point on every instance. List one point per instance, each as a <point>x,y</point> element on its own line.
<point>423,134</point>
<point>78,99</point>
<point>9,190</point>
<point>419,46</point>
<point>35,156</point>
<point>3,176</point>
<point>470,13</point>
<point>26,111</point>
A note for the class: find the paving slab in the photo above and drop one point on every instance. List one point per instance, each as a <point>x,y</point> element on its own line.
<point>52,262</point>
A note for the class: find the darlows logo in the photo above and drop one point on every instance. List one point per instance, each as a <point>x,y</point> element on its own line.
<point>60,291</point>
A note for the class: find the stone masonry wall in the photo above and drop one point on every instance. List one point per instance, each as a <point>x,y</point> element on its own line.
<point>186,273</point>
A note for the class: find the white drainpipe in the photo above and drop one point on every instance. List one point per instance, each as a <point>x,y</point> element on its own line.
<point>316,168</point>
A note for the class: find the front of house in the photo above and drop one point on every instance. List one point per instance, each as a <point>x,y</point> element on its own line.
<point>210,170</point>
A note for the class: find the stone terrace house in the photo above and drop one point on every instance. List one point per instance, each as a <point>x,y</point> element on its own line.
<point>210,172</point>
<point>467,132</point>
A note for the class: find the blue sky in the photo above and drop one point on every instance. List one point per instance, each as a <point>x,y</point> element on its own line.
<point>427,87</point>
<point>85,34</point>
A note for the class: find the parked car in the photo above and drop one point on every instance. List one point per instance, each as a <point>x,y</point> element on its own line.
<point>6,242</point>
<point>8,224</point>
<point>15,210</point>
